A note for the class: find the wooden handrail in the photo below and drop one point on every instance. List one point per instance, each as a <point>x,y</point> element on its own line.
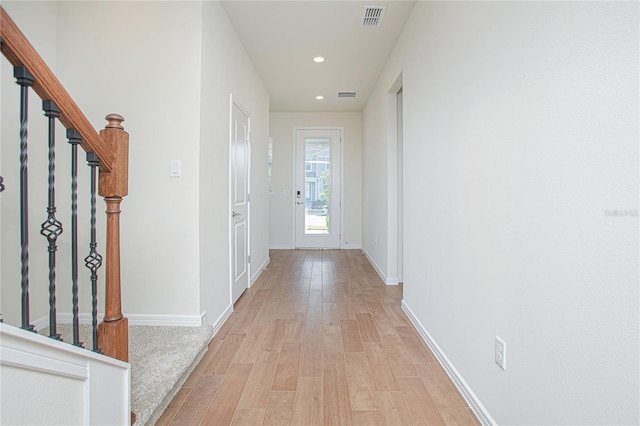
<point>17,49</point>
<point>112,148</point>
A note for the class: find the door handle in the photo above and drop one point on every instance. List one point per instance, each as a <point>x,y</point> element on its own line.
<point>299,202</point>
<point>236,214</point>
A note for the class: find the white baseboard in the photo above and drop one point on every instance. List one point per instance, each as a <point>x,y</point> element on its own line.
<point>41,323</point>
<point>221,319</point>
<point>351,247</point>
<point>385,279</point>
<point>143,319</point>
<point>134,319</point>
<point>469,396</point>
<point>281,247</point>
<point>260,270</point>
<point>292,247</point>
<point>167,320</point>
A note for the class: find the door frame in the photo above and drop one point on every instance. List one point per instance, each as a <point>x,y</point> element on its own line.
<point>293,204</point>
<point>395,181</point>
<point>232,103</point>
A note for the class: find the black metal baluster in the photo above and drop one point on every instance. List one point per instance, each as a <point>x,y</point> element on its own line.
<point>74,139</point>
<point>25,80</point>
<point>94,260</point>
<point>52,228</point>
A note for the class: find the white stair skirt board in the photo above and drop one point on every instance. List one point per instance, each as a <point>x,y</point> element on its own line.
<point>79,385</point>
<point>464,389</point>
<point>385,279</point>
<point>259,272</point>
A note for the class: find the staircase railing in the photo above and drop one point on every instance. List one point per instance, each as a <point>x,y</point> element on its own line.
<point>107,153</point>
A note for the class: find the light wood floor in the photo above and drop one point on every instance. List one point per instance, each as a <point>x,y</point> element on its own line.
<point>319,339</point>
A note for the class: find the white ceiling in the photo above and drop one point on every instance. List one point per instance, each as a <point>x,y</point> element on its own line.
<point>282,37</point>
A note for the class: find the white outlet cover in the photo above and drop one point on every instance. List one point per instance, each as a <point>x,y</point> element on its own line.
<point>501,353</point>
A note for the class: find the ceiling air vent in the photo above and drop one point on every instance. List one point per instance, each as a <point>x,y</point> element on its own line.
<point>347,94</point>
<point>373,16</point>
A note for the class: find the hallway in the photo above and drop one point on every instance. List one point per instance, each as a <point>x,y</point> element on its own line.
<point>319,339</point>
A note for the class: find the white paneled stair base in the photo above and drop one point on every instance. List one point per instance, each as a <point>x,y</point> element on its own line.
<point>44,381</point>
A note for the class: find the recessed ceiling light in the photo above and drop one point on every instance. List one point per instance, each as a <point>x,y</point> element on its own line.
<point>318,59</point>
<point>319,97</point>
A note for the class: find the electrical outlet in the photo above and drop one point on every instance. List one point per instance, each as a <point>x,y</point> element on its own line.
<point>501,353</point>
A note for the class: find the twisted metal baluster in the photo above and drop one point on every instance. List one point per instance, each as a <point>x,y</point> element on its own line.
<point>94,260</point>
<point>74,139</point>
<point>25,80</point>
<point>52,228</point>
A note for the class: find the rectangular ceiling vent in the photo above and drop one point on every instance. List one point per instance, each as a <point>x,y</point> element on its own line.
<point>347,94</point>
<point>373,16</point>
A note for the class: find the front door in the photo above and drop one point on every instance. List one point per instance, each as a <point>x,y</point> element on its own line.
<point>240,155</point>
<point>317,188</point>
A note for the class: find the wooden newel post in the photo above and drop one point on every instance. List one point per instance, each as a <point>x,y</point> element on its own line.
<point>113,332</point>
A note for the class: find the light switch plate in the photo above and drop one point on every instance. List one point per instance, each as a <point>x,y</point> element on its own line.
<point>176,168</point>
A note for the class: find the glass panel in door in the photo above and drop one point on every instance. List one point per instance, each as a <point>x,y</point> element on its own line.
<point>317,197</point>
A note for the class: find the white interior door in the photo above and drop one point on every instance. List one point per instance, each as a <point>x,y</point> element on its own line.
<point>240,160</point>
<point>317,188</point>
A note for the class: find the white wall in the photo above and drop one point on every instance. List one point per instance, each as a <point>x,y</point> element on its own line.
<point>169,68</point>
<point>226,69</point>
<point>375,177</point>
<point>110,61</point>
<point>520,139</point>
<point>281,200</point>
